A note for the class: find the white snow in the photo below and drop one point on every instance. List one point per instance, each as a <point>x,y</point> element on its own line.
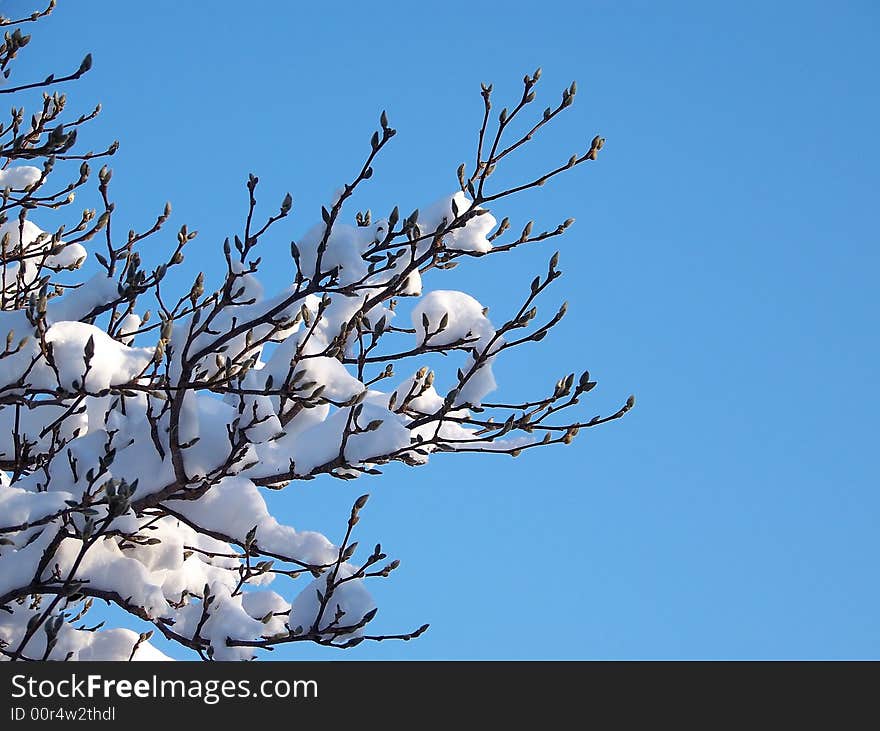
<point>19,506</point>
<point>112,364</point>
<point>235,505</point>
<point>351,596</point>
<point>472,236</point>
<point>464,318</point>
<point>19,178</point>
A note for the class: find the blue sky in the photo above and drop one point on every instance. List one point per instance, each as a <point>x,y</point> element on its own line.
<point>723,268</point>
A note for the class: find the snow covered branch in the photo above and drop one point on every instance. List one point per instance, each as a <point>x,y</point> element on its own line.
<point>135,447</point>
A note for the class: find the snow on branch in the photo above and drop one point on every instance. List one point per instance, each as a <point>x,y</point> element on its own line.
<point>141,427</point>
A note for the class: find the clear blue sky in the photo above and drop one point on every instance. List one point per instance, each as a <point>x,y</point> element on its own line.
<point>723,268</point>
